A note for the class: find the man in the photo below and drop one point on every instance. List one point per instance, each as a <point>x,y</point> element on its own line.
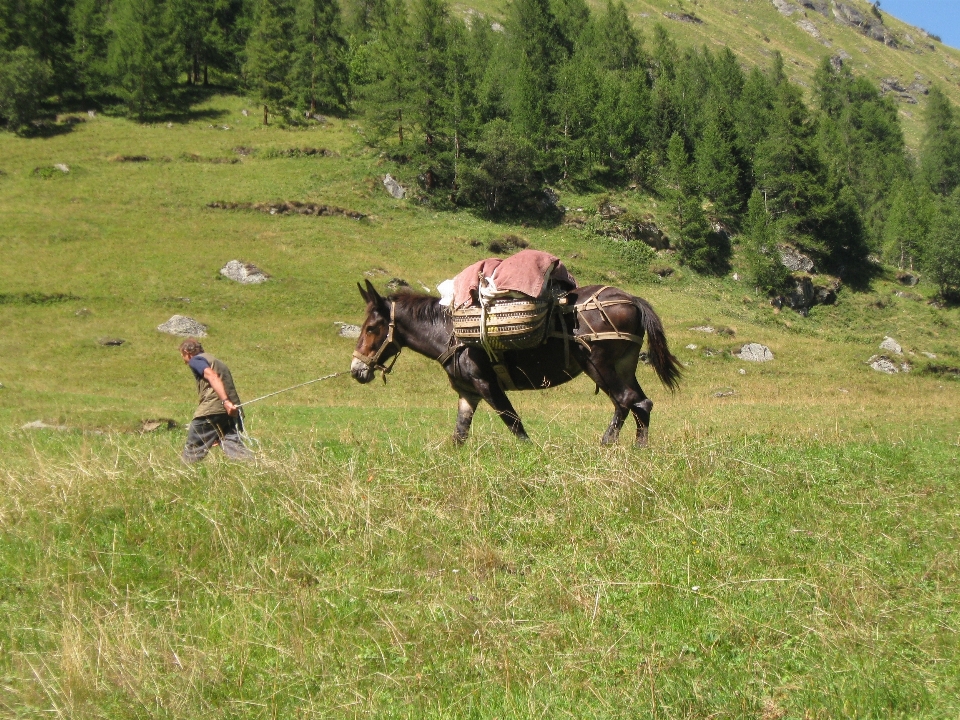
<point>217,419</point>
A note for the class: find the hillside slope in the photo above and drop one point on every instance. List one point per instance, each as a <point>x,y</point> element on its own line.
<point>901,58</point>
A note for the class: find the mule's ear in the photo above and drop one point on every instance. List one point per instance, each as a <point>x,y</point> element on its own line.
<point>363,293</point>
<point>372,295</point>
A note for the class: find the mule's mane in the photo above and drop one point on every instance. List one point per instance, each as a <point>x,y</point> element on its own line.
<point>424,308</point>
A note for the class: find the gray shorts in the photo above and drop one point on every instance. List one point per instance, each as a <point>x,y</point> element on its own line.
<point>222,430</point>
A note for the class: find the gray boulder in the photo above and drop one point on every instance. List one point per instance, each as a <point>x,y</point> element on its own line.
<point>244,273</point>
<point>183,326</point>
<point>886,364</point>
<point>393,187</point>
<point>347,330</point>
<point>891,345</point>
<point>755,352</point>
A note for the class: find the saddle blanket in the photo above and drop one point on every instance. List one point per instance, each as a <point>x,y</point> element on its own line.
<point>525,272</point>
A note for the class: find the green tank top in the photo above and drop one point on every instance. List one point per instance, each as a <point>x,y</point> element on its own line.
<point>210,403</point>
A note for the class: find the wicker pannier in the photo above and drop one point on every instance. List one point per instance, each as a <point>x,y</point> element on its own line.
<point>508,323</point>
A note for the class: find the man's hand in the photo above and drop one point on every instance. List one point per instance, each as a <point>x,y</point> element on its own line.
<point>230,407</point>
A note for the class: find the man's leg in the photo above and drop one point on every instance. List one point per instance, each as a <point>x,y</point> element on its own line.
<point>231,442</point>
<point>201,436</point>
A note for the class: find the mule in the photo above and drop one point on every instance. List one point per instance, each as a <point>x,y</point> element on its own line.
<point>598,332</point>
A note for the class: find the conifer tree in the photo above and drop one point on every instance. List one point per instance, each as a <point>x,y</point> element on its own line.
<point>942,251</point>
<point>618,43</point>
<point>269,53</point>
<point>940,146</point>
<point>908,224</point>
<point>24,78</point>
<point>698,246</point>
<point>760,244</point>
<point>91,38</point>
<point>388,94</point>
<point>428,92</point>
<point>141,59</point>
<point>319,76</point>
<point>721,167</point>
<point>574,104</point>
<point>536,47</point>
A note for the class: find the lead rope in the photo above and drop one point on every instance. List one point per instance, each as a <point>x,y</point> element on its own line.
<point>242,430</point>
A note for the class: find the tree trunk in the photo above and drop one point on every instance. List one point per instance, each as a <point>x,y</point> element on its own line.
<point>265,115</point>
<point>400,127</point>
<point>205,81</point>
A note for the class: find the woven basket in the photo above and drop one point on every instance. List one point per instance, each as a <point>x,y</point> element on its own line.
<point>511,323</point>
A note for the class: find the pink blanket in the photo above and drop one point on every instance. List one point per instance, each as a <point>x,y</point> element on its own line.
<point>525,272</point>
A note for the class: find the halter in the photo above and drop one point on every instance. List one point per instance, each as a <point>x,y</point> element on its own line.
<point>373,360</point>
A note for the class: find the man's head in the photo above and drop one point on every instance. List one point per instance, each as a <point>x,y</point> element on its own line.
<point>190,348</point>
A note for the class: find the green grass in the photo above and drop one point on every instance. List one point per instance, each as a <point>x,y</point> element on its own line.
<point>366,567</point>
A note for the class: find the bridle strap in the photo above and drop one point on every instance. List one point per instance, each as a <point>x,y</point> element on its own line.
<point>374,359</point>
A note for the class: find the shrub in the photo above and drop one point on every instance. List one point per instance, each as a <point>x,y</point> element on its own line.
<point>23,82</point>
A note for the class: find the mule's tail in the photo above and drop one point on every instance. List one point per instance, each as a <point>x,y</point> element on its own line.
<point>664,363</point>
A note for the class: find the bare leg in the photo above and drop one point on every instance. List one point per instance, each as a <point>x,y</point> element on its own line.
<point>465,410</point>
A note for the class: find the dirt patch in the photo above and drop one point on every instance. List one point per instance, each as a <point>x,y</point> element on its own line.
<point>292,207</point>
<point>193,157</point>
<point>298,153</point>
<point>158,424</point>
<point>507,244</point>
<point>244,151</point>
<point>35,298</point>
<point>938,369</point>
<point>129,158</point>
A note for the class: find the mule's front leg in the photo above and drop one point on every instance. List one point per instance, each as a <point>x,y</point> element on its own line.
<point>498,400</point>
<point>466,409</point>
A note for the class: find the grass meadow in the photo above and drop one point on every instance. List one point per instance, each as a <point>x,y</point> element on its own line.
<point>787,547</point>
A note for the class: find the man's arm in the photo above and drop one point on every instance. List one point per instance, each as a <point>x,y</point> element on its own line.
<point>217,384</point>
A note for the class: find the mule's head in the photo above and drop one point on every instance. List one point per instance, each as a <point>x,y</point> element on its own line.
<point>375,345</point>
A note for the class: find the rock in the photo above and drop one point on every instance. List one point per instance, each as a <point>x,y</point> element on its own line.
<point>347,330</point>
<point>82,312</point>
<point>395,189</point>
<point>91,113</point>
<point>885,364</point>
<point>609,211</point>
<point>41,425</point>
<point>703,329</point>
<point>683,17</point>
<point>824,295</point>
<point>802,297</point>
<point>907,278</point>
<point>397,283</point>
<point>794,260</point>
<point>111,342</point>
<point>245,112</point>
<point>808,27</point>
<point>736,277</point>
<point>183,326</point>
<point>691,346</point>
<point>244,273</point>
<point>724,392</point>
<point>755,352</point>
<point>816,5</point>
<point>159,424</point>
<point>785,8</point>
<point>891,345</point>
<point>742,371</point>
<point>62,168</point>
<point>930,355</point>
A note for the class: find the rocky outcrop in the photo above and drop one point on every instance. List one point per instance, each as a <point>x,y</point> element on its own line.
<point>794,260</point>
<point>683,17</point>
<point>865,25</point>
<point>891,345</point>
<point>785,8</point>
<point>888,365</point>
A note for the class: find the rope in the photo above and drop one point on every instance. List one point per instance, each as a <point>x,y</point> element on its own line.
<point>293,387</point>
<point>251,441</point>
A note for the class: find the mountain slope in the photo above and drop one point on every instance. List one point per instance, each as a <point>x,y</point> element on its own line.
<point>902,59</point>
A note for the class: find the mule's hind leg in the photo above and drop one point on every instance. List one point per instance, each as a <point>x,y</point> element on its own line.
<point>465,410</point>
<point>641,413</point>
<point>614,374</point>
